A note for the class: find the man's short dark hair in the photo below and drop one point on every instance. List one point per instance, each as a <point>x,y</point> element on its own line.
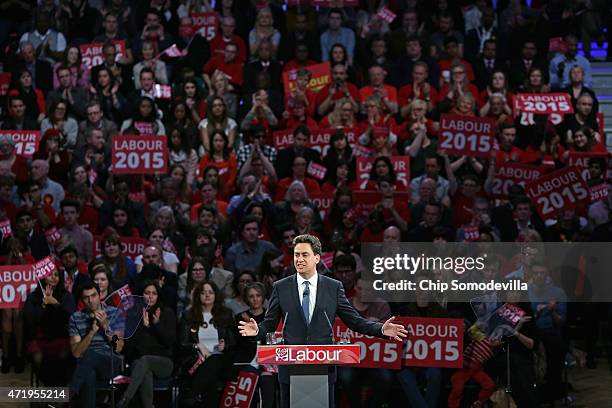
<point>314,242</point>
<point>335,11</point>
<point>345,260</point>
<point>70,203</point>
<point>301,130</point>
<point>67,250</point>
<point>87,285</point>
<point>147,70</point>
<point>249,219</point>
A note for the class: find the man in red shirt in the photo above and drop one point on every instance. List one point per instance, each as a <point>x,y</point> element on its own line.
<point>507,152</point>
<point>226,36</point>
<point>418,89</point>
<point>228,63</point>
<point>454,53</point>
<point>209,197</point>
<point>387,93</point>
<point>337,89</point>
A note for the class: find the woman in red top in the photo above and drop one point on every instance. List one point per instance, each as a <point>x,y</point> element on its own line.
<point>342,117</point>
<point>498,84</point>
<point>534,82</point>
<point>378,124</point>
<point>550,152</point>
<point>59,159</point>
<point>296,115</point>
<point>121,224</point>
<point>458,85</point>
<point>584,141</point>
<point>33,97</point>
<point>464,105</point>
<point>382,168</point>
<point>221,157</point>
<point>341,178</point>
<point>416,114</point>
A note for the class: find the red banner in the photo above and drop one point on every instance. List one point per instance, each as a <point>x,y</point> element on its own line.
<point>320,77</point>
<point>53,235</point>
<point>375,351</point>
<point>319,138</point>
<point>207,23</point>
<point>5,229</point>
<point>386,14</point>
<point>323,202</point>
<point>364,201</point>
<point>433,342</point>
<point>469,136</point>
<point>581,161</point>
<point>316,170</point>
<point>162,91</point>
<point>599,192</point>
<point>93,53</point>
<point>16,283</point>
<point>130,246</point>
<point>308,354</point>
<point>401,165</point>
<point>44,268</point>
<point>600,124</point>
<point>543,104</point>
<point>26,141</point>
<point>564,188</point>
<point>140,154</point>
<point>239,394</point>
<point>5,82</point>
<point>508,174</point>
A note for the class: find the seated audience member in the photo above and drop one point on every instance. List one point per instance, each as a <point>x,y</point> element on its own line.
<point>91,333</point>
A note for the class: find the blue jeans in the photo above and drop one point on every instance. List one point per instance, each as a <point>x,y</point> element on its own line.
<point>408,380</point>
<point>91,367</point>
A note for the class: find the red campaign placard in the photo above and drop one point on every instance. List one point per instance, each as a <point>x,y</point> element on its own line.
<point>374,351</point>
<point>581,161</point>
<point>469,136</point>
<point>320,77</point>
<point>564,188</point>
<point>26,141</point>
<point>139,154</point>
<point>144,128</point>
<point>308,354</point>
<point>239,394</point>
<point>130,246</point>
<point>5,229</point>
<point>401,165</point>
<point>207,23</point>
<point>93,55</point>
<point>508,174</point>
<point>599,192</point>
<point>471,233</point>
<point>53,235</point>
<point>327,259</point>
<point>543,104</point>
<point>5,82</point>
<point>44,268</point>
<point>162,91</point>
<point>323,201</point>
<point>386,14</point>
<point>316,170</point>
<point>319,138</point>
<point>433,342</point>
<point>16,283</point>
<point>362,151</point>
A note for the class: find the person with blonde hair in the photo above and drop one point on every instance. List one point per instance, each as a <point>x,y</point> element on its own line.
<point>264,30</point>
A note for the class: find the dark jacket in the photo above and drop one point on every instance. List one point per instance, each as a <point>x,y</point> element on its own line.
<point>49,322</point>
<point>156,340</point>
<point>330,302</point>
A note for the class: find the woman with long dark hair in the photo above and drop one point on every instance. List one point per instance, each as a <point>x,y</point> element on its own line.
<point>46,313</point>
<point>190,95</point>
<point>150,348</point>
<point>180,153</point>
<point>79,73</point>
<point>220,156</point>
<point>106,91</point>
<point>121,224</point>
<point>122,268</point>
<point>208,337</point>
<point>51,150</point>
<point>181,118</point>
<point>197,272</point>
<point>217,119</point>
<point>339,149</point>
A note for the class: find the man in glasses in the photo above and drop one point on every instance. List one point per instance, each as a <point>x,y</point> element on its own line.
<point>95,120</point>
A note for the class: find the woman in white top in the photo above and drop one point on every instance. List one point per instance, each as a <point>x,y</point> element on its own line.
<point>217,119</point>
<point>208,337</point>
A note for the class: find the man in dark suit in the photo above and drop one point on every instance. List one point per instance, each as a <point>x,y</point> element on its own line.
<point>263,63</point>
<point>476,37</point>
<point>519,68</point>
<point>309,302</point>
<point>486,63</point>
<point>17,119</point>
<point>42,73</point>
<point>301,136</point>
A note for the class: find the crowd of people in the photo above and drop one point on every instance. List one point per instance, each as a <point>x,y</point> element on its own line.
<point>216,231</point>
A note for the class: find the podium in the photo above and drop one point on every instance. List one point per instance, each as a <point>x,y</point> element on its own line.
<point>308,368</point>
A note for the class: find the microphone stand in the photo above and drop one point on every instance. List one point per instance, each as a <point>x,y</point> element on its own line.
<point>113,344</point>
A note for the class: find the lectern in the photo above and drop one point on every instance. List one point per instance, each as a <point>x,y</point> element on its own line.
<point>308,369</point>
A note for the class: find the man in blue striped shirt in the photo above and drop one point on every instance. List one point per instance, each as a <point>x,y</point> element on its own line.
<point>91,333</point>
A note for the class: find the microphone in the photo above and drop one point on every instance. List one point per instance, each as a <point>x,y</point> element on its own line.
<point>331,327</point>
<point>284,323</point>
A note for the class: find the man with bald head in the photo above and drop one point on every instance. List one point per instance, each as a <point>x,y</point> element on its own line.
<point>51,191</point>
<point>392,234</point>
<point>226,35</point>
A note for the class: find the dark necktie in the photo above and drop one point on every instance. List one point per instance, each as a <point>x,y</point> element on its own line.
<point>306,301</point>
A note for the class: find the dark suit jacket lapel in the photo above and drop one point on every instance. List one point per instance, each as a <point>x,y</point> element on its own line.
<point>296,298</point>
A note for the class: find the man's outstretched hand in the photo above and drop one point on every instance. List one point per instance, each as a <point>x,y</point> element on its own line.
<point>248,328</point>
<point>395,331</point>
